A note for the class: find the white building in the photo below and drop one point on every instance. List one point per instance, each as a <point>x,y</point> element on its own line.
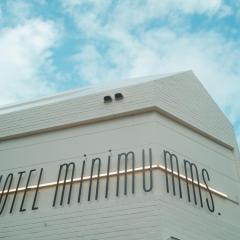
<point>62,172</point>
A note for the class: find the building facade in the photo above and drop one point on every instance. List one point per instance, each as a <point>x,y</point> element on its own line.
<point>152,158</point>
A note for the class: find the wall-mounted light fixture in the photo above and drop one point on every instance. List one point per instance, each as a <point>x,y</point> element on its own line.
<point>107,99</point>
<point>173,238</point>
<point>118,96</point>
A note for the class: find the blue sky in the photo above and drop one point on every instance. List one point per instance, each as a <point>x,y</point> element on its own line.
<point>52,46</point>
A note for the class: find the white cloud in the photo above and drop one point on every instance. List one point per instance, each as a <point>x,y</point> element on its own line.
<point>25,53</point>
<point>90,16</point>
<point>19,10</point>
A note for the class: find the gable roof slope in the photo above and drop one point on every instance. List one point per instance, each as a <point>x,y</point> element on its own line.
<point>180,96</point>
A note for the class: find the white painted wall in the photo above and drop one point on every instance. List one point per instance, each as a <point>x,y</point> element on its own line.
<point>154,215</point>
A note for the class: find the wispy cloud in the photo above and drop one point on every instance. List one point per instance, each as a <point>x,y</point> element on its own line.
<point>27,42</point>
<point>26,60</point>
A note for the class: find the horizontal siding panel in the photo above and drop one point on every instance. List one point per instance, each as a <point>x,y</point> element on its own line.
<point>181,95</point>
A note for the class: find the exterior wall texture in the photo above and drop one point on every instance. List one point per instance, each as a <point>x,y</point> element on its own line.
<point>194,130</point>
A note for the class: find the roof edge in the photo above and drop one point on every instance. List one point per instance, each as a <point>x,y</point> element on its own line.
<point>83,91</point>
